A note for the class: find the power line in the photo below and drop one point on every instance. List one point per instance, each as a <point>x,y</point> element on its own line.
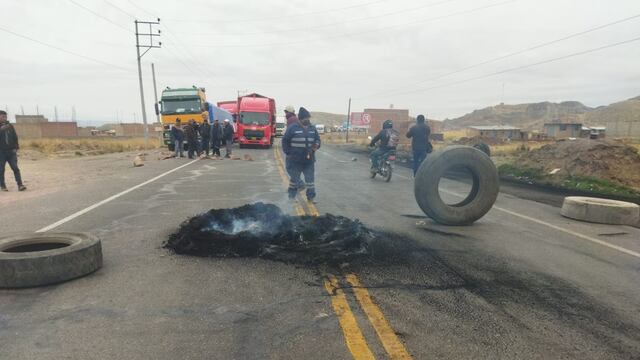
<point>285,15</point>
<point>99,15</point>
<point>337,22</point>
<point>120,9</point>
<point>502,57</point>
<point>64,50</point>
<point>421,21</point>
<point>579,53</point>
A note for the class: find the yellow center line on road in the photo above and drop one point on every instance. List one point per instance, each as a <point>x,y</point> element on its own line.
<point>354,338</point>
<point>386,334</point>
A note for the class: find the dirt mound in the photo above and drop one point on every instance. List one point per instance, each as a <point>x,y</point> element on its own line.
<point>601,159</point>
<point>263,230</point>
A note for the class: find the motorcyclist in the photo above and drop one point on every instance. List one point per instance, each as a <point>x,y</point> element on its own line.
<point>386,145</point>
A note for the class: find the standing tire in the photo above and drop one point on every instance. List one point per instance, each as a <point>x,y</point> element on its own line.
<point>29,260</point>
<point>477,203</point>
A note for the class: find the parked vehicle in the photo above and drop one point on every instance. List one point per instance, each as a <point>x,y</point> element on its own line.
<point>256,120</point>
<point>320,128</point>
<point>232,107</point>
<point>281,126</point>
<point>181,103</point>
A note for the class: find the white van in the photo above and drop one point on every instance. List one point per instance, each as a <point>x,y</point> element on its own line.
<point>320,128</point>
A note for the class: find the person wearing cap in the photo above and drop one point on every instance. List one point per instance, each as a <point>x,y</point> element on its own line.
<point>177,135</point>
<point>191,134</point>
<point>9,152</point>
<point>216,137</point>
<point>205,136</point>
<point>227,137</point>
<point>299,143</point>
<point>420,145</point>
<point>290,115</point>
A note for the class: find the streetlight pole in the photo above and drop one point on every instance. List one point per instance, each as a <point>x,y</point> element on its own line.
<point>348,119</point>
<point>148,46</point>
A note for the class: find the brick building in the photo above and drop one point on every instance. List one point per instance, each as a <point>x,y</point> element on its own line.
<point>400,118</point>
<point>133,129</point>
<point>497,132</point>
<point>47,129</point>
<point>558,130</point>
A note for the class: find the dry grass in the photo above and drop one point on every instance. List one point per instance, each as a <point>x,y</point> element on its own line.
<point>87,146</point>
<point>340,138</point>
<point>450,135</point>
<point>513,148</point>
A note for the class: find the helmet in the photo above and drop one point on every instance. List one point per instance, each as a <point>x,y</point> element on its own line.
<point>388,124</point>
<point>290,109</point>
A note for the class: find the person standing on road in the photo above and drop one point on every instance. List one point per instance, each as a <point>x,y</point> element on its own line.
<point>216,137</point>
<point>290,115</point>
<point>420,145</point>
<point>178,138</point>
<point>9,152</point>
<point>191,135</point>
<point>299,143</point>
<point>227,137</point>
<point>205,135</point>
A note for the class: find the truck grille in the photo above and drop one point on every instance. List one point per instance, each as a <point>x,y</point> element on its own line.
<point>258,134</point>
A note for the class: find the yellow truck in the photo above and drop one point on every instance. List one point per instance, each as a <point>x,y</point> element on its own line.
<point>181,103</point>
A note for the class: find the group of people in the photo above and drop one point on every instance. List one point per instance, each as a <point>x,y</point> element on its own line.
<point>9,152</point>
<point>202,138</point>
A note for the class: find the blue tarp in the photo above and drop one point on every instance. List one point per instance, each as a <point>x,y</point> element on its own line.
<point>216,113</point>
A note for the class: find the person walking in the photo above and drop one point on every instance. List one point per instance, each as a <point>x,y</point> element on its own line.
<point>191,135</point>
<point>227,137</point>
<point>420,145</point>
<point>216,137</point>
<point>9,152</point>
<point>300,143</point>
<point>205,135</point>
<point>177,134</point>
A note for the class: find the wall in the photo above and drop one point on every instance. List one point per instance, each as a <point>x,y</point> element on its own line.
<point>46,129</point>
<point>556,130</point>
<point>133,130</point>
<point>621,128</point>
<point>399,117</point>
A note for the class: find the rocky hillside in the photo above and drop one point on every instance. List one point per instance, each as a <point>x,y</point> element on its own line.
<point>327,119</point>
<point>533,116</point>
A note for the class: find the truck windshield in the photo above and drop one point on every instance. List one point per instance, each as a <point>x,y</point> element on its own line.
<point>188,106</point>
<point>254,118</point>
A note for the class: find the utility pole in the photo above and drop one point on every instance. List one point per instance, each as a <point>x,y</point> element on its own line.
<point>22,109</point>
<point>55,112</point>
<point>37,110</point>
<point>348,119</point>
<point>155,91</point>
<point>73,113</point>
<point>148,46</point>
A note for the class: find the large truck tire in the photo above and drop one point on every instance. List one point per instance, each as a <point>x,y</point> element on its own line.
<point>28,260</point>
<point>602,211</point>
<point>477,203</point>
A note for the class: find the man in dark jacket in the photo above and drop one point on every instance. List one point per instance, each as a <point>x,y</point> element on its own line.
<point>384,137</point>
<point>205,135</point>
<point>419,135</point>
<point>191,134</point>
<point>177,135</point>
<point>9,152</point>
<point>216,137</point>
<point>299,143</point>
<point>227,137</point>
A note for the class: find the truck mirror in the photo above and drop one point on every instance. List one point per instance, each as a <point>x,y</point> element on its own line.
<point>157,108</point>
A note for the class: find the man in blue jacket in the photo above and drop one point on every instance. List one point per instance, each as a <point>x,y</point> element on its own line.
<point>300,142</point>
<point>177,134</point>
<point>9,152</point>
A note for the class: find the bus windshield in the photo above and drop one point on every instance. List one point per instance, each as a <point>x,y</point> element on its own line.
<point>254,118</point>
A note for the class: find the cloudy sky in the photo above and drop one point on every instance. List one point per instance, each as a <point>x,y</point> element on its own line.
<point>409,53</point>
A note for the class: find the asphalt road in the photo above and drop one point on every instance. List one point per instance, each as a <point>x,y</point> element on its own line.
<point>521,283</point>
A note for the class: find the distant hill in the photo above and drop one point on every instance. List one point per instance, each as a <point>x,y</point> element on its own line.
<point>327,119</point>
<point>624,111</point>
<point>526,116</point>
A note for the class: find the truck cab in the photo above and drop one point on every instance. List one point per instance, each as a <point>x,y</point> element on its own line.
<point>182,103</point>
<point>281,126</point>
<point>256,120</point>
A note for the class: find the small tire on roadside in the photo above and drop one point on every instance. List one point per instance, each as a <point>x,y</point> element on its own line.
<point>29,260</point>
<point>483,147</point>
<point>476,204</point>
<point>602,211</point>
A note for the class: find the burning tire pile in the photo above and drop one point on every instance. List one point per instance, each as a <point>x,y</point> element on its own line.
<point>264,231</point>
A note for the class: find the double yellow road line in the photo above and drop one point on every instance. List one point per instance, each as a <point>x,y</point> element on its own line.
<point>354,338</point>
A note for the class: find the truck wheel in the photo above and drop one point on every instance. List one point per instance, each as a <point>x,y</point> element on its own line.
<point>477,203</point>
<point>603,211</point>
<point>28,260</point>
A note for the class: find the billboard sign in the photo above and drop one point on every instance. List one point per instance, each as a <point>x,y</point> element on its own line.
<point>360,120</point>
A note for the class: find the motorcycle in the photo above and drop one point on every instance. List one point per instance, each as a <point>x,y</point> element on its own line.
<point>385,166</point>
